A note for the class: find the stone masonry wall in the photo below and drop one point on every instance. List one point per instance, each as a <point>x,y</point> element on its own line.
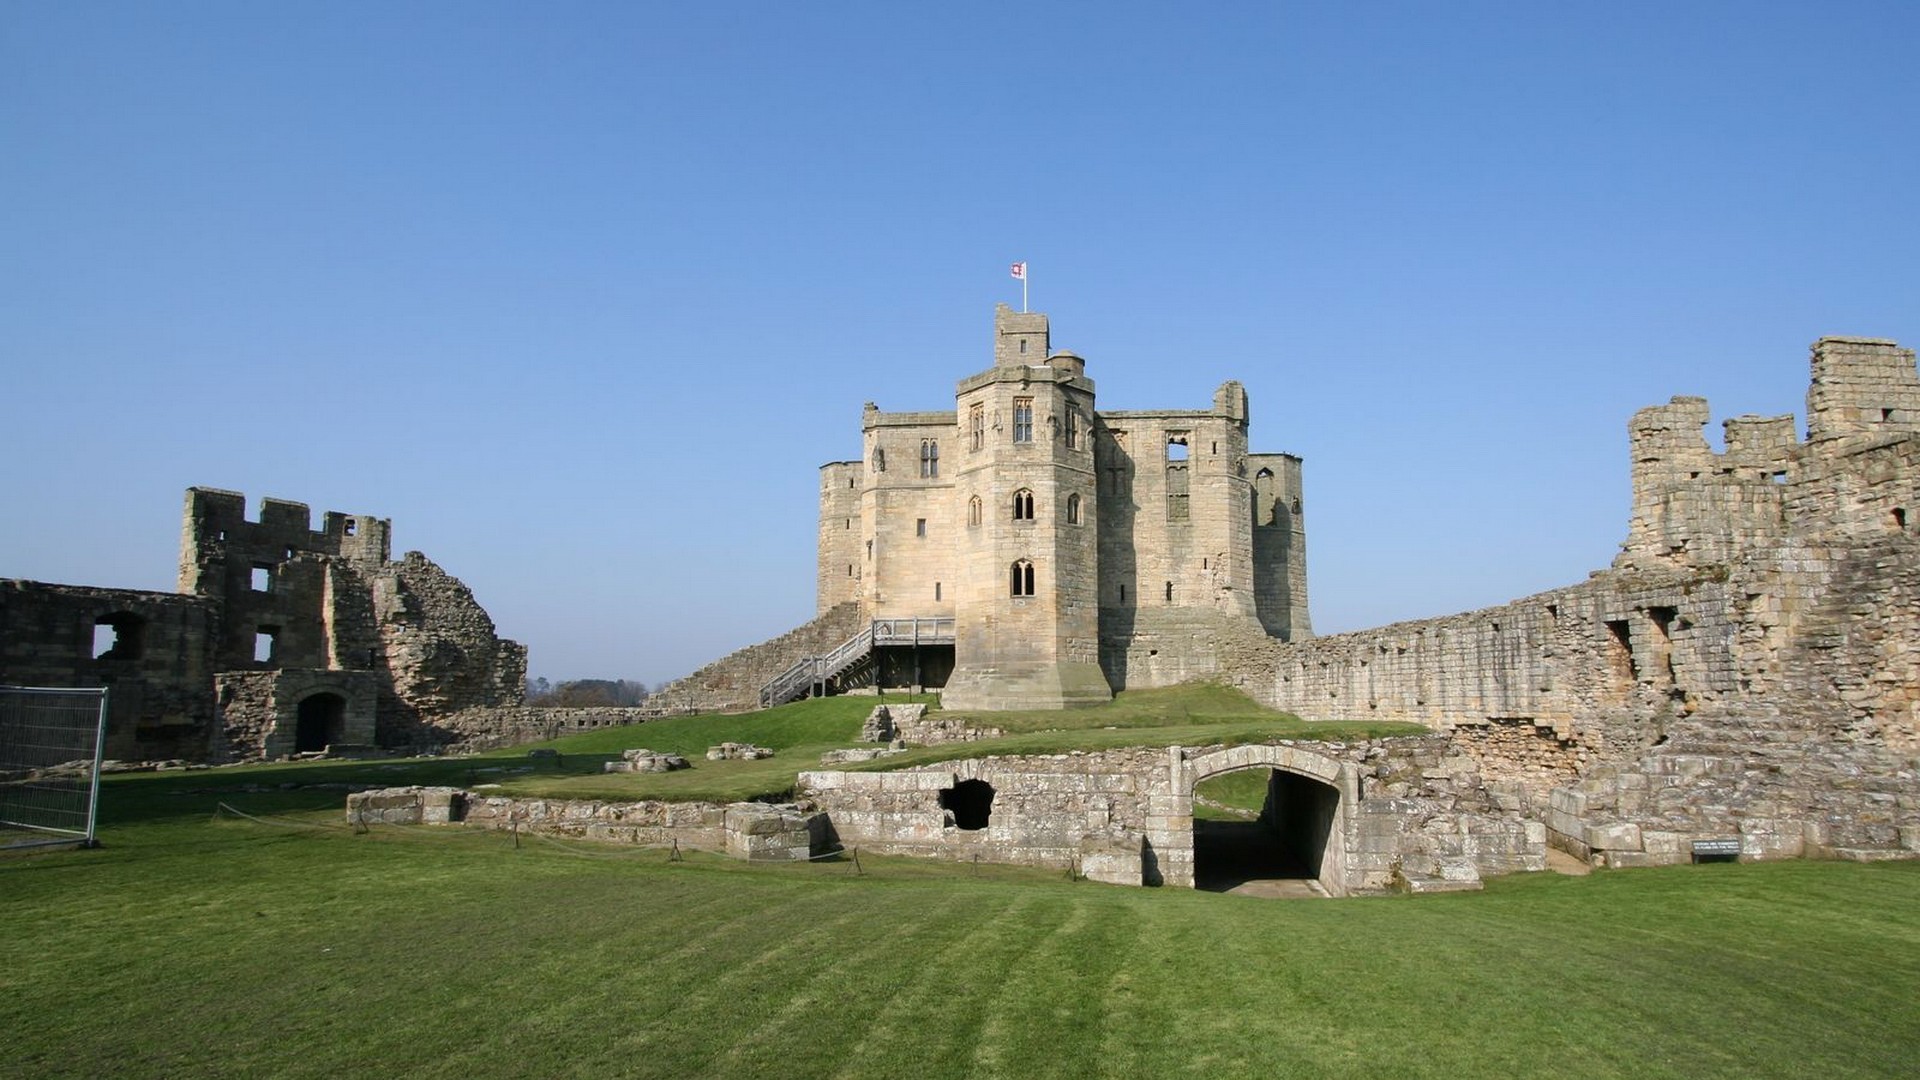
<point>1748,668</point>
<point>732,683</point>
<point>156,659</point>
<point>1409,811</point>
<point>271,598</point>
<point>756,832</point>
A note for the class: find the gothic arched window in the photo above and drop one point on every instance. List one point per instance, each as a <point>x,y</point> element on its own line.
<point>1023,505</point>
<point>1022,578</point>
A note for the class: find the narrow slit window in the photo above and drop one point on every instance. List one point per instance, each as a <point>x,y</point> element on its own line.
<point>936,590</point>
<point>973,512</point>
<point>977,428</point>
<point>1073,509</point>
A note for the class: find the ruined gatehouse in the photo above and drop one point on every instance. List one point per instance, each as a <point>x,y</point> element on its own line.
<point>282,639</point>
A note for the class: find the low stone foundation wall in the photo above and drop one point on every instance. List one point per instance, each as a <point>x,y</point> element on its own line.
<point>752,831</point>
<point>492,728</point>
<point>1392,813</point>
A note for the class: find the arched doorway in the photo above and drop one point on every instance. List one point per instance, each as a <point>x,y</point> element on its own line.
<point>1262,830</point>
<point>322,722</point>
<point>1287,821</point>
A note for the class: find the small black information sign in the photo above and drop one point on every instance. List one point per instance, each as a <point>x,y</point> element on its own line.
<point>1716,850</point>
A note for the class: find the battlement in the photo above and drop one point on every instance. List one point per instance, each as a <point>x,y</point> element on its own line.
<point>1695,507</point>
<point>1019,337</point>
<point>215,530</point>
<point>1862,387</point>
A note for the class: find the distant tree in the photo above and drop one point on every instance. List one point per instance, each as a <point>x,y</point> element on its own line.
<point>589,693</point>
<point>538,688</point>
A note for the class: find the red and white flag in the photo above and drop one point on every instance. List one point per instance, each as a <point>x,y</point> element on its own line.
<point>1020,270</point>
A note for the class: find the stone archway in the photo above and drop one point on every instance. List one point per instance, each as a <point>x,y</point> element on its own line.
<point>1309,803</point>
<point>321,722</point>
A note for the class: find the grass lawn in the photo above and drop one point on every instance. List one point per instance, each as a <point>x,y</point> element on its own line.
<point>195,947</point>
<point>1196,715</point>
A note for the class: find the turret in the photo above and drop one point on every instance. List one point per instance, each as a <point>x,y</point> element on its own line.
<point>1027,600</point>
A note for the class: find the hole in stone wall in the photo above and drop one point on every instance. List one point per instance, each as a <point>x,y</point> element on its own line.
<point>969,803</point>
<point>352,527</point>
<point>120,636</point>
<point>1779,478</point>
<point>1176,448</point>
<point>936,590</point>
<point>1169,592</point>
<point>1886,415</point>
<point>1899,517</point>
<point>919,526</point>
<point>1620,652</point>
<point>262,579</point>
<point>264,641</point>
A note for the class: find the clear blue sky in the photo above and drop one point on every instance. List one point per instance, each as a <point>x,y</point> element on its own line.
<point>581,295</point>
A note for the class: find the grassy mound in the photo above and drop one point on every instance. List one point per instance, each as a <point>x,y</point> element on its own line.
<point>1194,715</point>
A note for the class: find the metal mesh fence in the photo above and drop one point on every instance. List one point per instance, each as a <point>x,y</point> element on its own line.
<point>50,743</point>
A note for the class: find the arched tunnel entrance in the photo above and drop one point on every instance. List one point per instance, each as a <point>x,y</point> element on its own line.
<point>1268,819</point>
<point>1262,826</point>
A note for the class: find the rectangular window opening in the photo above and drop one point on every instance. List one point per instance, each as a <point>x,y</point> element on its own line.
<point>936,590</point>
<point>1023,419</point>
<point>262,578</point>
<point>265,644</point>
<point>919,526</point>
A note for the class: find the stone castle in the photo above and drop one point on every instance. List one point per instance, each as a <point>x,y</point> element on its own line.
<point>1029,550</point>
<point>1744,679</point>
<point>1745,676</point>
<point>282,639</point>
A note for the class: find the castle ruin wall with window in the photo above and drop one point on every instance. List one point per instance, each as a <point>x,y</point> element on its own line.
<point>281,639</point>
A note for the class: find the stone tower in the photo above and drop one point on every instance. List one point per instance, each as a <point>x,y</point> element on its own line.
<point>1027,596</point>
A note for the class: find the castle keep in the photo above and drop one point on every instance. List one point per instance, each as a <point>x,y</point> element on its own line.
<point>1029,550</point>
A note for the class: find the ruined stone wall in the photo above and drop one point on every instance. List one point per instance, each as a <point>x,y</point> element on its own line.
<point>158,661</point>
<point>1749,667</point>
<point>260,712</point>
<point>490,727</point>
<point>440,649</point>
<point>733,682</point>
<point>1279,546</point>
<point>756,832</point>
<point>1409,811</point>
<point>311,612</point>
<point>268,576</point>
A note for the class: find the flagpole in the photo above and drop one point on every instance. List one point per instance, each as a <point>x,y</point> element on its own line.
<point>1023,288</point>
